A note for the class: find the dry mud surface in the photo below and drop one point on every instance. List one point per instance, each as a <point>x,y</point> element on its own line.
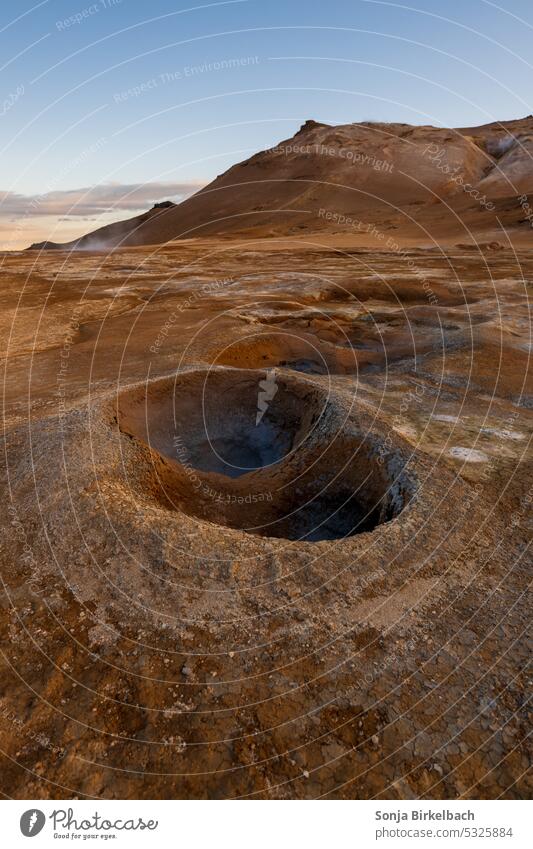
<point>266,522</point>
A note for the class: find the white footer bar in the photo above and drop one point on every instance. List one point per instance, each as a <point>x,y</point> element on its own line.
<point>267,825</point>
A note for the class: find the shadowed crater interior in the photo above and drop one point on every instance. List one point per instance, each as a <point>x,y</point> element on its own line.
<point>264,452</point>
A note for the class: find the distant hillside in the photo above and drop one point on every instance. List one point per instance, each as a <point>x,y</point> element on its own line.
<point>325,177</point>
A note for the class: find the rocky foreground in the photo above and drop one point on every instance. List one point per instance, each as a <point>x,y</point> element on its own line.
<point>266,523</point>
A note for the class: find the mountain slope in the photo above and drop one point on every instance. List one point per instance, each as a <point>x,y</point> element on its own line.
<point>389,174</point>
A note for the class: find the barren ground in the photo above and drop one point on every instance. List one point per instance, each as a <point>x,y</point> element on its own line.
<point>331,602</point>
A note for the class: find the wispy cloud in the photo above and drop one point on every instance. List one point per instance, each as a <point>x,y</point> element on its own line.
<point>93,200</point>
<point>65,215</point>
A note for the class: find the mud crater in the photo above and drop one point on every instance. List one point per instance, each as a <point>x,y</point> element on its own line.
<point>264,452</point>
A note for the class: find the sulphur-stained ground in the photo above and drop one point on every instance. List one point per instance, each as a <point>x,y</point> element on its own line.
<point>266,522</point>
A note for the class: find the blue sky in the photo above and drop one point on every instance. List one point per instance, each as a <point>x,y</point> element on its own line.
<point>158,98</point>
